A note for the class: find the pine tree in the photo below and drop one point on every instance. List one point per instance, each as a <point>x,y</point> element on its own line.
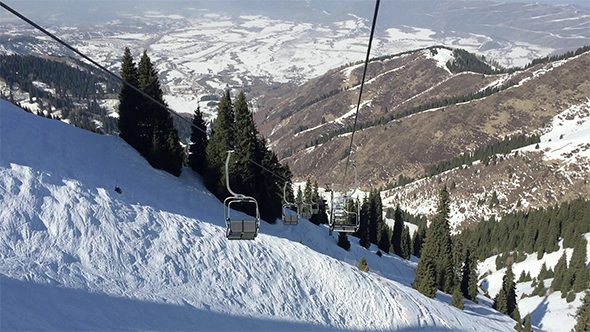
<point>560,270</point>
<point>398,227</point>
<point>129,104</point>
<point>543,273</point>
<point>363,231</point>
<point>425,281</point>
<point>505,302</point>
<point>375,217</point>
<point>384,238</point>
<point>501,302</point>
<point>418,240</point>
<point>363,265</point>
<point>528,325</point>
<point>510,286</point>
<point>578,266</point>
<point>469,276</point>
<point>158,131</point>
<point>406,244</point>
<point>245,141</point>
<point>540,289</point>
<point>457,300</point>
<point>222,138</point>
<point>437,249</point>
<point>197,159</point>
<point>583,315</point>
<point>343,241</point>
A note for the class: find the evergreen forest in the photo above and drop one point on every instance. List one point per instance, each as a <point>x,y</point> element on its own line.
<point>71,86</point>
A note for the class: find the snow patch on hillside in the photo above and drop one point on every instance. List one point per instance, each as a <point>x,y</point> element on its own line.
<point>568,138</point>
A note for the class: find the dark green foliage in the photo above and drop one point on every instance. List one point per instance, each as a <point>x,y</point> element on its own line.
<point>425,281</point>
<point>532,232</point>
<point>437,251</point>
<point>234,127</point>
<point>384,238</point>
<point>406,245</point>
<point>465,61</point>
<point>528,325</point>
<point>552,58</point>
<point>485,154</point>
<point>131,115</point>
<point>363,265</point>
<point>222,136</point>
<point>505,301</point>
<point>157,130</point>
<point>583,315</point>
<point>578,266</point>
<point>457,300</point>
<point>571,296</point>
<point>197,159</point>
<point>539,289</point>
<point>77,87</point>
<point>398,227</point>
<point>543,273</point>
<point>343,241</point>
<point>469,276</point>
<point>560,270</point>
<point>567,283</point>
<point>501,302</point>
<point>375,215</point>
<point>418,240</point>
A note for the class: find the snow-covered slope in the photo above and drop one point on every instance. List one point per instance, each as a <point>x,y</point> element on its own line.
<point>76,255</point>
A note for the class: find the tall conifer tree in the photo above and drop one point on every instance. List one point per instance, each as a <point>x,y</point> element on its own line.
<point>158,131</point>
<point>398,227</point>
<point>583,315</point>
<point>406,243</point>
<point>197,159</point>
<point>129,104</point>
<point>222,138</point>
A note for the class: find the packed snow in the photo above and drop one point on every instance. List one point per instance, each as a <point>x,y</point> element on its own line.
<point>77,255</point>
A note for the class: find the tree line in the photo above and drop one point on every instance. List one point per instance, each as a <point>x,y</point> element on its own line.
<point>485,153</point>
<point>75,88</point>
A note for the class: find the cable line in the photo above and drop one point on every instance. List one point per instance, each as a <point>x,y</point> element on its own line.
<point>361,89</point>
<point>73,49</point>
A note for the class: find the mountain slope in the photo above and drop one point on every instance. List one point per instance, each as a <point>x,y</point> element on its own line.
<point>77,255</point>
<point>423,139</point>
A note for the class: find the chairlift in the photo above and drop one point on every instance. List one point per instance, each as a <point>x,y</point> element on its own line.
<point>306,211</point>
<point>240,228</point>
<point>315,207</point>
<point>290,210</point>
<point>341,218</point>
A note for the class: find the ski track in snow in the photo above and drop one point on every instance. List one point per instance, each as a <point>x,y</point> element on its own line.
<point>76,255</point>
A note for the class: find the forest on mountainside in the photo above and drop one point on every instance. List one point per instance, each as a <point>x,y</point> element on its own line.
<point>70,86</point>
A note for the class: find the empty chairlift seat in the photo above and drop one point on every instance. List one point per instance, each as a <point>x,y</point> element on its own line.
<point>290,216</point>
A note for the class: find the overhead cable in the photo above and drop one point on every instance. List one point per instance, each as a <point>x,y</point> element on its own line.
<point>361,89</point>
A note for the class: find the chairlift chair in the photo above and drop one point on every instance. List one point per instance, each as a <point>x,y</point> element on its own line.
<point>341,219</point>
<point>290,210</point>
<point>239,228</point>
<point>305,210</point>
<point>315,207</point>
